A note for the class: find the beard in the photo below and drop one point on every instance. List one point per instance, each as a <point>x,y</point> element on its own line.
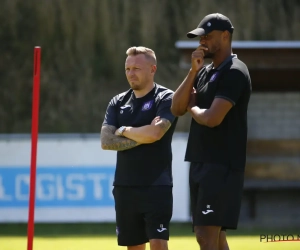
<point>135,86</point>
<point>212,52</point>
<point>209,55</point>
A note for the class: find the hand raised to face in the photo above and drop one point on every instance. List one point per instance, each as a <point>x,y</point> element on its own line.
<point>198,58</point>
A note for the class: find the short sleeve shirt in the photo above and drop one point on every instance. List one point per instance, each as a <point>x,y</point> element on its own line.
<point>146,164</point>
<point>225,143</point>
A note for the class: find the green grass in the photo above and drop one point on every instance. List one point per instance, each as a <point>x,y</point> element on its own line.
<point>102,237</point>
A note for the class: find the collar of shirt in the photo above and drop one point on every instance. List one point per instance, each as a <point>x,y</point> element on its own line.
<point>150,93</point>
<point>227,60</point>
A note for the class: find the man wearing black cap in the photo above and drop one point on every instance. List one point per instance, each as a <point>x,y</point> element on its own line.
<point>217,98</point>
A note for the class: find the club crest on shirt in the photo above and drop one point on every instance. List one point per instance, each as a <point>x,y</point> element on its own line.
<point>213,77</point>
<point>147,105</point>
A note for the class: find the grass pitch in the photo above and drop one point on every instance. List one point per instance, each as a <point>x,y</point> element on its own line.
<point>101,237</point>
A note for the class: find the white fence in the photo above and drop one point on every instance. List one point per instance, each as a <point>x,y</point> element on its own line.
<point>74,179</point>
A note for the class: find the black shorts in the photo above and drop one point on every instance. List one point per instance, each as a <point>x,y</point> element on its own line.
<point>142,213</point>
<point>216,194</point>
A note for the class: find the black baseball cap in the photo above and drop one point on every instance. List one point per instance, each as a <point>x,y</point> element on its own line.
<point>215,21</point>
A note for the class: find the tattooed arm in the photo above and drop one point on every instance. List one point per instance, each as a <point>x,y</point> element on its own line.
<point>149,133</point>
<point>110,141</point>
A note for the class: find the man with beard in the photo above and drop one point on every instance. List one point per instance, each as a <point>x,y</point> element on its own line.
<point>139,125</point>
<point>217,98</point>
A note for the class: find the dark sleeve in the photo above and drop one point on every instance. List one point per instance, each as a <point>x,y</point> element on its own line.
<point>111,114</point>
<point>232,86</point>
<point>164,107</point>
<point>200,73</point>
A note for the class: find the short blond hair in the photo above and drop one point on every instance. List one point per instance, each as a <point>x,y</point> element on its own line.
<point>149,53</point>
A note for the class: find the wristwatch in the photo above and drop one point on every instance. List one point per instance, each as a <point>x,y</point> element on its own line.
<point>121,130</point>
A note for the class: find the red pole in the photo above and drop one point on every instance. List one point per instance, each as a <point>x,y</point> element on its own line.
<point>34,138</point>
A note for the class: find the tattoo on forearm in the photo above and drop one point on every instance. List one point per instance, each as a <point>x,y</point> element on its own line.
<point>110,141</point>
<point>164,124</point>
